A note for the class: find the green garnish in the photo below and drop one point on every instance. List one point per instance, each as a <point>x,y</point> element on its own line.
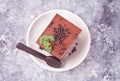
<point>48,48</point>
<point>45,40</point>
<point>51,38</point>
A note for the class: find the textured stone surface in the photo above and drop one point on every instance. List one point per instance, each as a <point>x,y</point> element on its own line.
<point>103,20</point>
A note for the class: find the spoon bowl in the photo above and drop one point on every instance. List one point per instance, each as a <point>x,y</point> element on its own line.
<point>52,61</point>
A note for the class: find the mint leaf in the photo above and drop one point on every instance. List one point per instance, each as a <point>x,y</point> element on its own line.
<point>48,48</point>
<point>51,38</point>
<point>42,40</point>
<point>45,40</point>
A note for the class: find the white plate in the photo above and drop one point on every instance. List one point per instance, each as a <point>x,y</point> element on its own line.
<point>38,26</point>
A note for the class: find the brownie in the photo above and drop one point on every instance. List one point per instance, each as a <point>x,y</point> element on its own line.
<point>61,35</point>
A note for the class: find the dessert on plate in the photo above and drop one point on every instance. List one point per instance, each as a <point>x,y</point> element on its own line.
<point>58,36</point>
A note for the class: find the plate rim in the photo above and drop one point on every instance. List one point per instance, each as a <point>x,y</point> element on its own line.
<point>35,20</point>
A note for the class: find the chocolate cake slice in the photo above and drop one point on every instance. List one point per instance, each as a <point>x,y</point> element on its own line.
<point>58,37</point>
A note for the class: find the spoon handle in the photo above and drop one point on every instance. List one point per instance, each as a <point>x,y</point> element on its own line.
<point>30,51</point>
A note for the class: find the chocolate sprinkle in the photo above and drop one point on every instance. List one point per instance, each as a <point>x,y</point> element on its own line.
<point>60,34</point>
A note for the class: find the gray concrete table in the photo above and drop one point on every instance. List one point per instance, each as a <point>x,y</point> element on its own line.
<point>103,20</point>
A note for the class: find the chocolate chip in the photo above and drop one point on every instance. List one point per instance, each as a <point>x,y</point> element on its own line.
<point>59,33</point>
<point>73,50</point>
<point>67,29</point>
<point>59,25</point>
<point>69,54</point>
<point>76,43</point>
<point>41,48</point>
